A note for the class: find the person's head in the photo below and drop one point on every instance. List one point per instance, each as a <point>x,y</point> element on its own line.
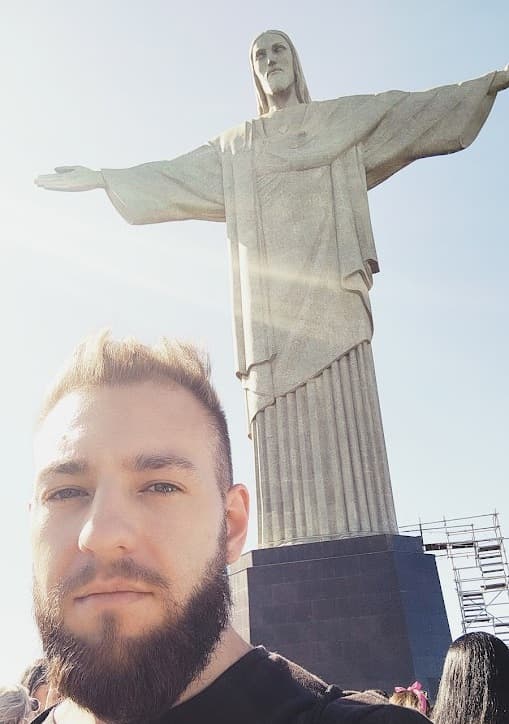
<point>35,679</point>
<point>475,682</point>
<point>276,69</point>
<point>134,519</point>
<point>16,705</point>
<point>412,697</point>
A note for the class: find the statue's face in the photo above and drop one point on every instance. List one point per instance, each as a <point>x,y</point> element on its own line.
<point>273,63</point>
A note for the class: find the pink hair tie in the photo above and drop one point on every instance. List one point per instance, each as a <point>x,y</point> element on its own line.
<point>416,688</point>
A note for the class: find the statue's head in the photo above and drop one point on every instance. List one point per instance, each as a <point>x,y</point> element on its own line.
<point>276,68</point>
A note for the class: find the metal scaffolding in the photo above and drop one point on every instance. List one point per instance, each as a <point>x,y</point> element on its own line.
<point>475,547</point>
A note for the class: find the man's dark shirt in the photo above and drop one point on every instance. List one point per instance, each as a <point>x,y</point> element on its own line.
<point>264,688</point>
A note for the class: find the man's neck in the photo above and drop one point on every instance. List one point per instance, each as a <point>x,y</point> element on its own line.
<point>231,648</point>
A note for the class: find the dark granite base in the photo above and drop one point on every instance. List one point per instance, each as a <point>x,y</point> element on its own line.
<point>363,612</point>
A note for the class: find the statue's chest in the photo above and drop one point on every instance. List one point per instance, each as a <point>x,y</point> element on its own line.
<point>286,143</point>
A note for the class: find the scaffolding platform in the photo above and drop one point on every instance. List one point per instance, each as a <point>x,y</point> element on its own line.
<point>476,550</point>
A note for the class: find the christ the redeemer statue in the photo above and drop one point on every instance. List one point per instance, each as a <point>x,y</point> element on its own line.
<point>292,187</point>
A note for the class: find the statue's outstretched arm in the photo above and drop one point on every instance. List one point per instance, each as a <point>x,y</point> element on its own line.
<point>428,123</point>
<point>187,187</point>
<point>500,81</point>
<point>71,178</point>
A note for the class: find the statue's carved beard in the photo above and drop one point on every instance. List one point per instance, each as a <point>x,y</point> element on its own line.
<point>128,680</point>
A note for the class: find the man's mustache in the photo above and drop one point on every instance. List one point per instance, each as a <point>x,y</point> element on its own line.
<point>124,568</point>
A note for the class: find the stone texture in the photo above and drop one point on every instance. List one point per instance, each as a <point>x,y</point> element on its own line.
<point>321,452</point>
<point>363,612</point>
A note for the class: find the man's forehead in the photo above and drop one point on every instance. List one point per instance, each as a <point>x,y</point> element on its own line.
<point>152,396</point>
<point>62,427</point>
<point>125,414</point>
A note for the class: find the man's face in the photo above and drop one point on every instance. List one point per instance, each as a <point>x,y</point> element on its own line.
<point>273,63</point>
<point>127,523</point>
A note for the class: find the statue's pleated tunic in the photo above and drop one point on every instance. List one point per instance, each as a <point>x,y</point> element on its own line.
<point>292,188</point>
<point>321,451</point>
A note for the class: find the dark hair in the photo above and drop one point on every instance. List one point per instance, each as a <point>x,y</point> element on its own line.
<point>101,361</point>
<point>35,675</point>
<point>474,688</point>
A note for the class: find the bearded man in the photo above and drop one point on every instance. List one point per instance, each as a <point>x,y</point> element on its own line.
<point>134,520</point>
<point>292,186</point>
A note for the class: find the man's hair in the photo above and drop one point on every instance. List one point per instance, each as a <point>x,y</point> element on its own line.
<point>100,361</point>
<point>35,675</point>
<point>301,87</point>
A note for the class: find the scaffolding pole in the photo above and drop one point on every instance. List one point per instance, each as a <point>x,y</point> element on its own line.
<point>475,547</point>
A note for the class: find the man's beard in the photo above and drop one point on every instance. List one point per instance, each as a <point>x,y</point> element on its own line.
<point>135,679</point>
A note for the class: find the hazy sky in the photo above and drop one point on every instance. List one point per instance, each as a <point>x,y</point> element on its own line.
<point>113,83</point>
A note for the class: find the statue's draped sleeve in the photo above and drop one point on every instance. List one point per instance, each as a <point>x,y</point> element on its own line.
<point>188,187</point>
<point>428,123</point>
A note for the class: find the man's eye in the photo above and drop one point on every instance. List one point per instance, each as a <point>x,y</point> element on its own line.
<point>164,488</point>
<point>67,494</point>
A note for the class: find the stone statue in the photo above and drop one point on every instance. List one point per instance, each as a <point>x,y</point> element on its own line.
<point>292,187</point>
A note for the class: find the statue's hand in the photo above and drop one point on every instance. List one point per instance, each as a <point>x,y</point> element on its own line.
<point>500,81</point>
<point>71,178</point>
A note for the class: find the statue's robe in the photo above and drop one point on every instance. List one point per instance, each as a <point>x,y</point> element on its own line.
<point>292,188</point>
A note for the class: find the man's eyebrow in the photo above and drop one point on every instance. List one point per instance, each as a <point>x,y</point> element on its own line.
<point>156,461</point>
<point>76,466</point>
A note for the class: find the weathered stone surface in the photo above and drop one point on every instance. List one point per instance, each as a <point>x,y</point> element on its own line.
<point>365,612</point>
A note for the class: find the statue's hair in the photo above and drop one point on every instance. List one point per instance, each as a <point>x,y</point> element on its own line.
<point>15,704</point>
<point>301,87</point>
<point>100,361</point>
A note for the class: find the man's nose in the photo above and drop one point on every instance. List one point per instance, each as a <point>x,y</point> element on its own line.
<point>110,528</point>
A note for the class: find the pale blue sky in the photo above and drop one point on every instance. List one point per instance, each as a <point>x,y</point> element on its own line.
<point>113,83</point>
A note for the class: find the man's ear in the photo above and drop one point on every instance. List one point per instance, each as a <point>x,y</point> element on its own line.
<point>237,518</point>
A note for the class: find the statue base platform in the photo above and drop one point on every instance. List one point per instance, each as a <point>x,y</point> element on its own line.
<point>362,613</point>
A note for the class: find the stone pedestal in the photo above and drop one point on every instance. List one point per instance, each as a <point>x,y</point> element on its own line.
<point>363,612</point>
